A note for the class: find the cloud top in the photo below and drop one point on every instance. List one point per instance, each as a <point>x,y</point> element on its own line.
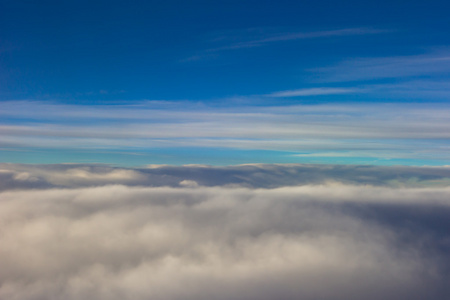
<point>198,232</point>
<point>21,176</point>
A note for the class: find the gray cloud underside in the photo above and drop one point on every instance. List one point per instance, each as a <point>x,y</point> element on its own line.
<point>22,176</point>
<point>328,241</point>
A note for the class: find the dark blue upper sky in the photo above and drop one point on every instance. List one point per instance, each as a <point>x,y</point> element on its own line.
<point>101,51</point>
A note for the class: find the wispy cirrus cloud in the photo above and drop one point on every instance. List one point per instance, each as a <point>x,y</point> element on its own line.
<point>437,88</point>
<point>391,130</point>
<point>435,63</point>
<point>264,38</point>
<point>258,37</point>
<point>313,92</point>
<point>421,76</point>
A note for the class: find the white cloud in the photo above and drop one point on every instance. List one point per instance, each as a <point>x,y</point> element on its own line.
<point>188,183</point>
<point>316,241</point>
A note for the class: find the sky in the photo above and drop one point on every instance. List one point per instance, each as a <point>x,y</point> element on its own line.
<point>225,82</point>
<point>244,150</point>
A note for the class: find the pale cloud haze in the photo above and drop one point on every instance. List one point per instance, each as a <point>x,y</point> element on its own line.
<point>388,130</point>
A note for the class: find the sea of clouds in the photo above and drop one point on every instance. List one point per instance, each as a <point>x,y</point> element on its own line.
<point>71,231</point>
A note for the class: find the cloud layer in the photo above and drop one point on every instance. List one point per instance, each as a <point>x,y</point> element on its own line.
<point>385,131</point>
<point>24,177</point>
<point>245,236</point>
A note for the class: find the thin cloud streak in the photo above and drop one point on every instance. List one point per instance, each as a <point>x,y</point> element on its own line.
<point>282,37</point>
<point>249,39</point>
<point>313,92</point>
<point>372,68</point>
<point>437,89</point>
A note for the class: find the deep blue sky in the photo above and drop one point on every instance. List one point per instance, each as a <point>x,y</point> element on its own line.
<point>215,55</point>
<point>82,51</point>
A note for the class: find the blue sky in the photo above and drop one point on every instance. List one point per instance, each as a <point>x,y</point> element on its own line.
<point>225,82</point>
